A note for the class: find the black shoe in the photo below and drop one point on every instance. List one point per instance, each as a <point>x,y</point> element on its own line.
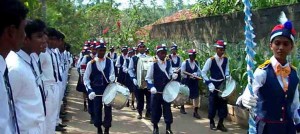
<point>91,121</point>
<point>182,110</point>
<point>155,131</point>
<point>148,116</point>
<point>60,129</point>
<point>106,131</point>
<point>169,132</point>
<point>139,116</point>
<point>222,128</point>
<point>62,125</point>
<point>212,126</point>
<point>196,115</point>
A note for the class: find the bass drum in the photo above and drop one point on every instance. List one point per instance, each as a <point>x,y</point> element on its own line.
<point>116,95</point>
<point>143,65</point>
<point>176,93</point>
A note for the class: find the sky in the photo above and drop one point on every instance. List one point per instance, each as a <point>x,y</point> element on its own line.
<point>125,3</point>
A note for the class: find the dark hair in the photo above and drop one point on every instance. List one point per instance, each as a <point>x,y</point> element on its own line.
<point>51,32</point>
<point>34,26</point>
<point>12,12</point>
<point>68,46</point>
<point>60,35</point>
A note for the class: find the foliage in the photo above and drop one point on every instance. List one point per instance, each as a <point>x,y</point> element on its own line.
<point>218,7</point>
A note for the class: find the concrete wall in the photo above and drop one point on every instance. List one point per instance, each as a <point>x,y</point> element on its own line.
<point>229,27</point>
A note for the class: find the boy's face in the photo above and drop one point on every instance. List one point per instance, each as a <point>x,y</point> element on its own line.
<point>192,57</point>
<point>142,48</point>
<point>220,51</point>
<point>173,51</point>
<point>281,47</point>
<point>162,55</point>
<point>101,52</point>
<point>37,42</point>
<point>125,52</point>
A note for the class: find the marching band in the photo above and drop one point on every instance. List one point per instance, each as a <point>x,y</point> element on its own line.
<point>35,63</point>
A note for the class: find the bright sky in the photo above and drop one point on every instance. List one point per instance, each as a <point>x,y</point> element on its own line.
<point>125,3</point>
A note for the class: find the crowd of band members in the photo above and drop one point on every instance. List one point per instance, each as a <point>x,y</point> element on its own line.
<point>35,60</point>
<point>34,63</point>
<point>97,69</point>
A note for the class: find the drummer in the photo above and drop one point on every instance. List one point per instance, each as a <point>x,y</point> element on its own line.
<point>140,93</point>
<point>128,81</point>
<point>218,66</point>
<point>158,75</point>
<point>87,58</point>
<point>119,64</point>
<point>275,87</point>
<point>191,66</point>
<point>176,64</point>
<point>99,73</point>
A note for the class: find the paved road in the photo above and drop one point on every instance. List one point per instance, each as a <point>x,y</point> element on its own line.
<point>125,122</point>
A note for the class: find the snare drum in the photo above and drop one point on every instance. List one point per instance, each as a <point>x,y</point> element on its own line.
<point>116,95</point>
<point>229,87</point>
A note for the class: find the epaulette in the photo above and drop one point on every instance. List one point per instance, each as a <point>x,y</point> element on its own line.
<point>92,61</point>
<point>265,64</point>
<point>293,67</point>
<point>86,55</point>
<point>154,59</point>
<point>212,57</point>
<point>224,56</point>
<point>167,57</point>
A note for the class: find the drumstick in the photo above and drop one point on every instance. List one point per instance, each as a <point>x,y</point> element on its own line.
<point>219,90</point>
<point>99,95</point>
<point>157,92</point>
<point>187,73</point>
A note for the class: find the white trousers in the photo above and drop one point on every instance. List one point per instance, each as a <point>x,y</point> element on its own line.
<point>52,105</point>
<point>38,129</point>
<point>59,102</point>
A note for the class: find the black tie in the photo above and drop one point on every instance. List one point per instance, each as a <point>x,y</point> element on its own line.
<point>59,77</point>
<point>53,67</point>
<point>40,87</point>
<point>11,100</point>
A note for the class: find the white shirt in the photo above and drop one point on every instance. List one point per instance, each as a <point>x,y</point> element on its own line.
<point>163,67</point>
<point>84,61</point>
<point>174,58</point>
<point>118,64</point>
<point>259,80</point>
<point>55,62</point>
<point>131,69</point>
<point>79,60</point>
<point>192,65</point>
<point>112,56</point>
<point>26,93</point>
<point>7,124</point>
<point>207,66</point>
<point>35,60</point>
<point>124,66</point>
<point>100,66</point>
<point>47,67</point>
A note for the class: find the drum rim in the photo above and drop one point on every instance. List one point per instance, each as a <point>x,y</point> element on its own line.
<point>165,91</point>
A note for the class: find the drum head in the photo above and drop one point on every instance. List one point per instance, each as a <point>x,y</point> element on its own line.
<point>123,89</point>
<point>171,91</point>
<point>230,86</point>
<point>109,93</point>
